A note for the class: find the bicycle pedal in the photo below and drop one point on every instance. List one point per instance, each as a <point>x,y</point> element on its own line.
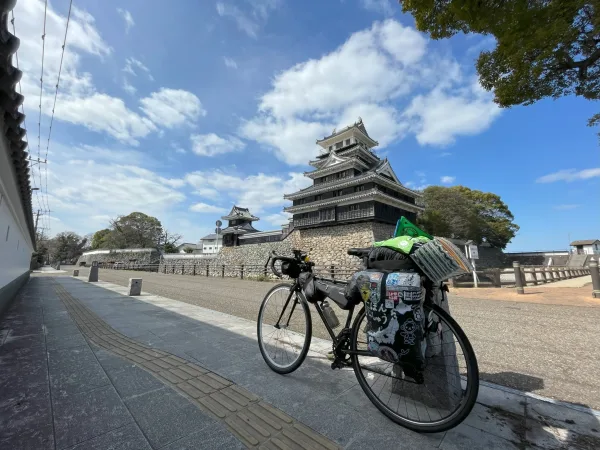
<point>337,364</point>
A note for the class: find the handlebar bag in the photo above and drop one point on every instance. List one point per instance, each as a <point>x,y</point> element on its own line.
<point>395,317</point>
<point>290,268</point>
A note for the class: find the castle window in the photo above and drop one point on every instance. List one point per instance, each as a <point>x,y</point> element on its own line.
<point>347,141</point>
<point>339,145</point>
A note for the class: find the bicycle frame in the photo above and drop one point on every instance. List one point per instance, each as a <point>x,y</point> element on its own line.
<point>338,340</point>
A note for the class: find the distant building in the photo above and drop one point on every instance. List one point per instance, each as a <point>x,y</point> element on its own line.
<point>181,248</point>
<point>351,184</point>
<point>240,223</point>
<point>210,244</point>
<point>586,247</point>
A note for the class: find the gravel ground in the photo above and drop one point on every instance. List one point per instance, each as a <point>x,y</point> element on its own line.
<point>546,349</point>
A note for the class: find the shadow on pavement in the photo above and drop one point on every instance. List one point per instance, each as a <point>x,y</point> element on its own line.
<point>516,380</point>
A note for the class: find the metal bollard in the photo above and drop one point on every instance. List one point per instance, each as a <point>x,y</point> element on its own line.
<point>518,279</point>
<point>595,279</point>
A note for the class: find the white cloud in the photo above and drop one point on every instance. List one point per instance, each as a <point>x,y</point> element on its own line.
<point>127,87</point>
<point>292,139</point>
<point>173,182</point>
<point>78,101</point>
<point>101,112</point>
<point>257,192</point>
<point>311,98</point>
<point>212,145</point>
<point>566,207</point>
<point>127,17</point>
<point>249,22</point>
<point>570,175</point>
<point>206,192</point>
<point>417,186</point>
<point>230,62</point>
<point>444,154</point>
<point>446,179</point>
<point>243,21</point>
<point>378,6</point>
<point>205,208</point>
<point>439,116</point>
<point>133,66</point>
<point>278,219</point>
<point>172,107</point>
<point>107,190</point>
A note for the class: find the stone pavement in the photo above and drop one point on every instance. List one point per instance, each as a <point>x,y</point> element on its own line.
<point>533,347</point>
<point>72,375</point>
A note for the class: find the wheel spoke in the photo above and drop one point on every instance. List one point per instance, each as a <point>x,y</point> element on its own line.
<point>285,347</point>
<point>437,403</point>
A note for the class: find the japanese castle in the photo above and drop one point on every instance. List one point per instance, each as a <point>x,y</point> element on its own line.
<point>351,184</point>
<point>240,222</point>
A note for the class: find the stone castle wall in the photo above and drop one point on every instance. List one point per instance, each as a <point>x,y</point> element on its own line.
<point>139,256</point>
<point>326,246</point>
<point>329,245</point>
<point>252,257</point>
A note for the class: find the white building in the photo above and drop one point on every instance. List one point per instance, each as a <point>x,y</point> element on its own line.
<point>17,234</point>
<point>586,247</point>
<point>181,248</point>
<point>211,244</point>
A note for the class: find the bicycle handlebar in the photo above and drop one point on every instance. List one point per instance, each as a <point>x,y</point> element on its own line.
<point>277,273</point>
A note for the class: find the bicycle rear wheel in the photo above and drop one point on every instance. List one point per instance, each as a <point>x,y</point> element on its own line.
<point>284,328</point>
<point>451,377</point>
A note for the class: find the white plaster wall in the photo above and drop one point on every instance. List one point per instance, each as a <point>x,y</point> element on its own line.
<point>15,245</point>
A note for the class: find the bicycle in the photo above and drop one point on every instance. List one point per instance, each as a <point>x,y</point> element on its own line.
<point>291,327</point>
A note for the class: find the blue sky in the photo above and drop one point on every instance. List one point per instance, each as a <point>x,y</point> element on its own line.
<point>180,113</point>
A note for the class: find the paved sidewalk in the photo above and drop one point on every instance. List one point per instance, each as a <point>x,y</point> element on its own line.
<point>514,341</point>
<point>58,387</point>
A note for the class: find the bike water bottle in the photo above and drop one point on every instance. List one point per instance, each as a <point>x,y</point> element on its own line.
<point>330,316</point>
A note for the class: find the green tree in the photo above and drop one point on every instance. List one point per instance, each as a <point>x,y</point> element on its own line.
<point>461,213</point>
<point>100,239</point>
<point>136,230</point>
<point>188,250</point>
<point>544,48</point>
<point>169,248</point>
<point>67,246</point>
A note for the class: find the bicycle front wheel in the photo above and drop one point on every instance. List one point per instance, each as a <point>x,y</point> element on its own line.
<point>450,382</point>
<point>284,328</point>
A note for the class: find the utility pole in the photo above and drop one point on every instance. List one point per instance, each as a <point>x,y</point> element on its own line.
<point>37,216</point>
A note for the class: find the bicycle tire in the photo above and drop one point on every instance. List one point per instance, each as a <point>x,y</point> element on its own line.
<point>473,386</point>
<point>308,327</point>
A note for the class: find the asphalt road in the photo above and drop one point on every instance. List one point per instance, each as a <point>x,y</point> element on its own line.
<point>546,349</point>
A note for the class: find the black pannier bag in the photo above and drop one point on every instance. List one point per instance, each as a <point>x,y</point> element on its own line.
<point>395,317</point>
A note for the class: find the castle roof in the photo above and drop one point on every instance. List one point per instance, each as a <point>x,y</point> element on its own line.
<point>238,212</point>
